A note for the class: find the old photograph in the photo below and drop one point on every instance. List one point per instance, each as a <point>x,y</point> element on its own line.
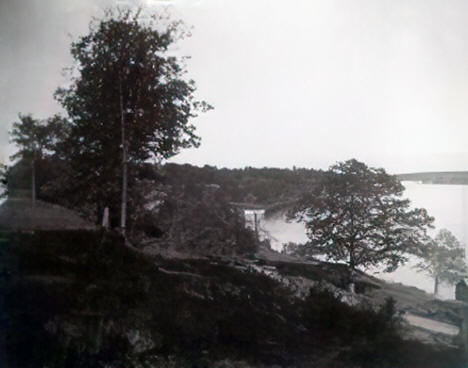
<point>233,184</point>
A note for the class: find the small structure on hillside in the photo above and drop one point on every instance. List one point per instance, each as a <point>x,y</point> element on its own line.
<point>461,291</point>
<point>461,294</point>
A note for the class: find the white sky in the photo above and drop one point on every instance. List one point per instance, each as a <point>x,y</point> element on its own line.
<point>303,83</point>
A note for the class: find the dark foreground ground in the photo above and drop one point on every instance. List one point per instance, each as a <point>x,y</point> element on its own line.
<point>85,299</point>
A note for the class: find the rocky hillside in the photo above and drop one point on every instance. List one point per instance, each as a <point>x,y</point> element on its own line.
<point>87,299</point>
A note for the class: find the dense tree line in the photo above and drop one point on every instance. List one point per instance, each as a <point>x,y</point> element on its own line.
<point>263,186</point>
<point>170,200</point>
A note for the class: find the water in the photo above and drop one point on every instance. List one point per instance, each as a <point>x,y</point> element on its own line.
<point>446,203</point>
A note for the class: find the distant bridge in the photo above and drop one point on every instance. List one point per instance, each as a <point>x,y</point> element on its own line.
<point>270,209</point>
<point>437,177</point>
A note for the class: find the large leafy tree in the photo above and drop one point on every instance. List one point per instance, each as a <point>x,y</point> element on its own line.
<point>129,102</point>
<point>356,214</point>
<point>444,260</point>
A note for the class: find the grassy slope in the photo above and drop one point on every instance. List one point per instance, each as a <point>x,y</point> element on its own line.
<point>19,214</point>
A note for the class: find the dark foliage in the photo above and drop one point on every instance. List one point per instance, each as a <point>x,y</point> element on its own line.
<point>356,214</point>
<point>266,186</point>
<point>197,206</point>
<point>73,297</point>
<point>128,102</point>
<point>197,216</point>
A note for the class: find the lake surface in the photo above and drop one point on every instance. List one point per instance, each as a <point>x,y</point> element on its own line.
<point>448,204</point>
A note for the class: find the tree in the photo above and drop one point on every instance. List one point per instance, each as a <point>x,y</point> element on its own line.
<point>356,214</point>
<point>34,138</point>
<point>129,102</point>
<point>444,260</point>
<point>200,218</point>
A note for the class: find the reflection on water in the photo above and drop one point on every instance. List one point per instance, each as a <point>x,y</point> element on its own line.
<point>446,203</point>
<point>281,232</point>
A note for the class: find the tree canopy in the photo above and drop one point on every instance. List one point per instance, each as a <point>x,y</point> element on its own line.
<point>357,214</point>
<point>129,101</point>
<point>444,260</point>
<point>31,137</point>
<point>34,138</point>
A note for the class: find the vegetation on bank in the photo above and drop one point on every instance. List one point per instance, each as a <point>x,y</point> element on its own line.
<point>444,260</point>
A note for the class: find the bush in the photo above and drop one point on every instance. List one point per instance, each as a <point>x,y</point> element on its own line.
<point>370,337</point>
<point>367,333</point>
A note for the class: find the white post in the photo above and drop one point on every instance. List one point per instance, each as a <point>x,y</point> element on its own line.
<point>105,218</point>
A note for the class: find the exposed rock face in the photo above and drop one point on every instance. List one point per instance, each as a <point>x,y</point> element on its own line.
<point>140,340</point>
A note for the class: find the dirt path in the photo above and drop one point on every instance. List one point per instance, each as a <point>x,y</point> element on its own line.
<point>432,325</point>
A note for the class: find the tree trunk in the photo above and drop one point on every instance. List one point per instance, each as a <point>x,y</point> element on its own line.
<point>352,273</point>
<point>352,284</point>
<point>436,286</point>
<point>123,213</point>
<point>33,182</point>
<point>257,238</point>
<point>105,218</point>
